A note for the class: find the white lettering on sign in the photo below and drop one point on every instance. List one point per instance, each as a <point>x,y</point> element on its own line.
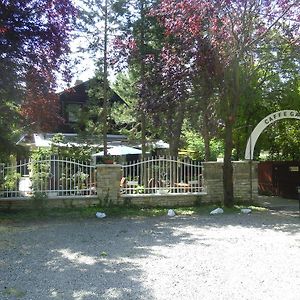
<point>260,127</point>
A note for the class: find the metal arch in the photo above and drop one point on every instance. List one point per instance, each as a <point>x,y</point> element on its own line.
<point>263,124</point>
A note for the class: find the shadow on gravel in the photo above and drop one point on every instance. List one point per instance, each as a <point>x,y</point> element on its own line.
<point>97,259</point>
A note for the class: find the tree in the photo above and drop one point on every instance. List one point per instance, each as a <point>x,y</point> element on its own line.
<point>132,48</point>
<point>40,107</point>
<point>273,85</point>
<point>34,35</point>
<point>10,117</point>
<point>127,117</point>
<point>98,21</point>
<point>162,87</point>
<point>236,31</point>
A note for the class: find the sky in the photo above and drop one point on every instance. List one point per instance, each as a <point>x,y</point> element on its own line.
<point>85,67</point>
<point>84,70</point>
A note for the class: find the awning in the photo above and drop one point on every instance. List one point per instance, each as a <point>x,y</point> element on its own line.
<point>119,150</point>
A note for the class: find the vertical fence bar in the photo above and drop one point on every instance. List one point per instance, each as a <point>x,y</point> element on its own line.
<point>90,183</point>
<point>176,172</point>
<point>58,177</point>
<point>184,171</point>
<point>159,172</point>
<point>52,178</point>
<point>68,174</point>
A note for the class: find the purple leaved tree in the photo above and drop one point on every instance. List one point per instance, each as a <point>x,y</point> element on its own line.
<point>235,31</point>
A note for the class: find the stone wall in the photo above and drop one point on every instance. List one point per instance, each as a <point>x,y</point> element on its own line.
<point>108,189</point>
<point>245,181</point>
<point>28,203</point>
<point>167,200</point>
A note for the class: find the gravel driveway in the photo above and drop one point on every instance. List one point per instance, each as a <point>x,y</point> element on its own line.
<point>231,256</point>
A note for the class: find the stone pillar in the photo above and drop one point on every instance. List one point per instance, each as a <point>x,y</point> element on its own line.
<point>213,181</point>
<point>245,181</point>
<point>108,183</point>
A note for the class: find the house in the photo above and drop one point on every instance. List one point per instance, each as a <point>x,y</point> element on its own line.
<point>75,103</point>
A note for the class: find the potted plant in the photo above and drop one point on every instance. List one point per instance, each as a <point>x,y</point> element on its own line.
<point>107,159</point>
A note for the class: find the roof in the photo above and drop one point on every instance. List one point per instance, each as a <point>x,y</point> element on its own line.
<point>69,139</point>
<point>119,151</point>
<point>79,93</point>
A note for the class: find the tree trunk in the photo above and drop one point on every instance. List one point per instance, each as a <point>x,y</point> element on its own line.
<point>207,149</point>
<point>142,75</point>
<point>234,99</point>
<point>174,147</point>
<point>175,130</point>
<point>206,137</point>
<point>227,167</point>
<point>143,133</point>
<point>105,80</point>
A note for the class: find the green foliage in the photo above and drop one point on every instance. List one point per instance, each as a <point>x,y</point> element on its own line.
<point>9,128</point>
<point>40,168</point>
<point>74,151</point>
<point>10,181</point>
<point>195,146</point>
<point>128,210</point>
<point>38,201</point>
<point>283,138</point>
<point>139,189</point>
<point>127,117</point>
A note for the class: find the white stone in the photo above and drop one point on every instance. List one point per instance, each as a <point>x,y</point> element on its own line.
<point>246,210</point>
<point>171,213</point>
<point>100,215</point>
<point>217,211</point>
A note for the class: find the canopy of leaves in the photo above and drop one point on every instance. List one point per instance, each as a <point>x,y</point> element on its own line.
<point>34,40</point>
<point>34,34</point>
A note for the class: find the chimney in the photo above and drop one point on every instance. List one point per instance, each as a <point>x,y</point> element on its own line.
<point>77,82</point>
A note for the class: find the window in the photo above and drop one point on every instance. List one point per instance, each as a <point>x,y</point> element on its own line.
<point>73,112</point>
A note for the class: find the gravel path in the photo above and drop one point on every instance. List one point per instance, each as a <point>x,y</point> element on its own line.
<point>231,256</point>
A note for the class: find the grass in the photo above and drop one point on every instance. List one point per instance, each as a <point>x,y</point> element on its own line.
<point>111,212</point>
<point>16,293</point>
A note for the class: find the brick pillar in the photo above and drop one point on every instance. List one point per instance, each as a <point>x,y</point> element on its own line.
<point>245,181</point>
<point>108,183</point>
<point>213,181</point>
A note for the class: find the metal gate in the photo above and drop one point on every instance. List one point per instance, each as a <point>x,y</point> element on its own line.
<point>279,178</point>
<point>162,175</point>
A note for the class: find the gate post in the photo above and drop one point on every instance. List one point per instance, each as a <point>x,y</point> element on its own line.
<point>245,181</point>
<point>213,181</point>
<point>108,183</point>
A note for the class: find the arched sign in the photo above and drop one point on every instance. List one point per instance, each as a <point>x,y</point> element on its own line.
<point>261,126</point>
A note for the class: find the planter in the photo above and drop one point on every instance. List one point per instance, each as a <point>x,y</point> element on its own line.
<point>108,161</point>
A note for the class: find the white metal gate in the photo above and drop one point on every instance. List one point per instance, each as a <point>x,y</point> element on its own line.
<point>162,175</point>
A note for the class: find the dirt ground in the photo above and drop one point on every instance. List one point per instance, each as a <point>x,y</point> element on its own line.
<point>230,256</point>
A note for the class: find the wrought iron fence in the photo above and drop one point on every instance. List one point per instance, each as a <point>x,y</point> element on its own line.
<point>162,175</point>
<point>53,177</point>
